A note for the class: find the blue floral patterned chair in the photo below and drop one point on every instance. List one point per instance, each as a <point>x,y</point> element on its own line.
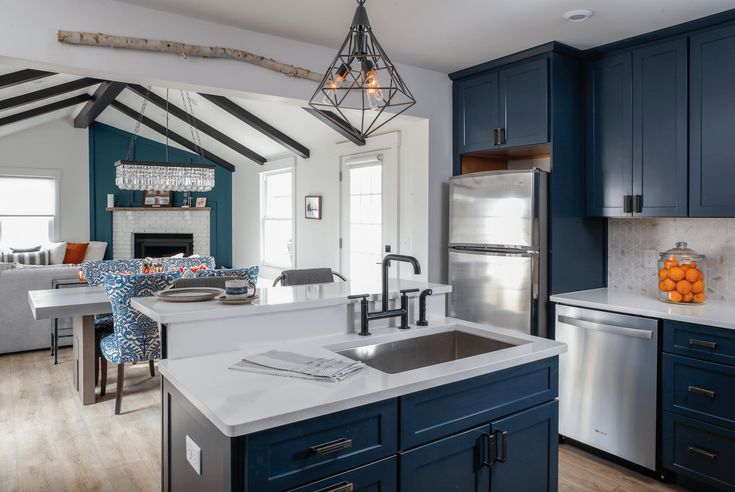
<point>250,274</point>
<point>94,272</point>
<point>170,264</point>
<point>135,337</point>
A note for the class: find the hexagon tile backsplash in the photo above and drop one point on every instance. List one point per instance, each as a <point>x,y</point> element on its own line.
<point>628,239</point>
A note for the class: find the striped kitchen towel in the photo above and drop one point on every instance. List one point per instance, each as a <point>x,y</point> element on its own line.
<point>280,363</point>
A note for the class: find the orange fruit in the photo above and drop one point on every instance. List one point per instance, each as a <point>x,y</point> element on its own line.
<point>688,297</point>
<point>691,265</point>
<point>692,275</point>
<point>674,296</point>
<point>670,263</point>
<point>667,285</point>
<point>683,287</point>
<point>663,274</point>
<point>698,297</point>
<point>698,287</point>
<point>676,273</point>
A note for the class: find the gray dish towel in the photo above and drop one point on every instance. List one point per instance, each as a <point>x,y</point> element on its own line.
<point>279,363</point>
<point>307,276</point>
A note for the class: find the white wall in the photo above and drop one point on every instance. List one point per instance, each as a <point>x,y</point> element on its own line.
<point>28,33</point>
<point>59,146</point>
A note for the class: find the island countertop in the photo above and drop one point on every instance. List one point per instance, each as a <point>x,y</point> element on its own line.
<point>240,403</point>
<point>277,299</point>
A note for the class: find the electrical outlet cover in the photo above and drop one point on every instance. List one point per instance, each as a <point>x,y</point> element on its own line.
<point>650,258</point>
<point>194,455</point>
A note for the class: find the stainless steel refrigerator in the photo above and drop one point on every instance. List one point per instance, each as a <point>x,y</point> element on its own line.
<point>497,249</point>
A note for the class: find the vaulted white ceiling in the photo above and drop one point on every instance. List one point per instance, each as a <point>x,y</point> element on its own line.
<point>448,35</point>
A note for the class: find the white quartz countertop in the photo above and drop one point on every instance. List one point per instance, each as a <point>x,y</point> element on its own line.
<point>240,403</point>
<point>277,299</point>
<point>710,313</point>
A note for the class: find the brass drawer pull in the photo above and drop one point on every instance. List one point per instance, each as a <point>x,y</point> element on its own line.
<point>701,391</point>
<point>707,454</point>
<point>340,487</point>
<point>703,343</point>
<point>331,447</point>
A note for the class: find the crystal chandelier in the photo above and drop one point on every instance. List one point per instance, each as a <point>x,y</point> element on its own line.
<point>164,176</point>
<point>362,83</point>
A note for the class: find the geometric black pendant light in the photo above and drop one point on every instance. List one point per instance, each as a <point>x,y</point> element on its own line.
<point>362,85</point>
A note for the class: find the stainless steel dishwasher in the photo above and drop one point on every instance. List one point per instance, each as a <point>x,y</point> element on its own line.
<point>607,382</point>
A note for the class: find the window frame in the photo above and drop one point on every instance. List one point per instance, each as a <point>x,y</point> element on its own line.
<point>288,167</point>
<point>55,175</point>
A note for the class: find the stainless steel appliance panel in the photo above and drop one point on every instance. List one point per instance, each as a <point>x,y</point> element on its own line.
<point>498,288</point>
<point>494,209</point>
<point>607,382</point>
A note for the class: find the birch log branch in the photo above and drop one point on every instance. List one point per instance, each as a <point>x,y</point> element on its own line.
<point>185,50</point>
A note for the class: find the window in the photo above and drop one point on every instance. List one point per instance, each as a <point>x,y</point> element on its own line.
<point>276,218</point>
<point>28,210</point>
<point>365,220</point>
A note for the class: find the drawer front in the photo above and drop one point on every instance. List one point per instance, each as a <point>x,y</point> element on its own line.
<point>439,412</point>
<point>307,451</point>
<point>702,342</point>
<point>699,389</point>
<point>698,450</point>
<point>380,476</point>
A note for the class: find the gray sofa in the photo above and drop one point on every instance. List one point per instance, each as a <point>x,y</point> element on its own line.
<point>18,330</point>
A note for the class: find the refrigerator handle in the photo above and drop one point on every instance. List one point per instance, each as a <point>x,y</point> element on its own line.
<point>535,271</point>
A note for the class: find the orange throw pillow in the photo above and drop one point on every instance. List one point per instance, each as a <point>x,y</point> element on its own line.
<point>75,252</point>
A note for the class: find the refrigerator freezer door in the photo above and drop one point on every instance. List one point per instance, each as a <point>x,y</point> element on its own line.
<point>494,209</point>
<point>495,288</point>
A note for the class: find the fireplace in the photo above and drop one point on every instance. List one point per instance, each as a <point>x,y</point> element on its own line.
<point>155,245</point>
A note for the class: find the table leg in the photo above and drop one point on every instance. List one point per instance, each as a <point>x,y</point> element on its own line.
<point>84,354</point>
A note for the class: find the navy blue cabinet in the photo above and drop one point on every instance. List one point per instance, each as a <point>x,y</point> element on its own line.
<point>478,112</point>
<point>712,123</point>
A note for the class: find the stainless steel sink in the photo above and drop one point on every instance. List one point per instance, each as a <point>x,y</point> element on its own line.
<point>412,353</point>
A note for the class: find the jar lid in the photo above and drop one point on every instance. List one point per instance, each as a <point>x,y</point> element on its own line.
<point>682,250</point>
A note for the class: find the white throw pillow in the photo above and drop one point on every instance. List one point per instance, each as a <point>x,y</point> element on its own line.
<point>95,251</point>
<point>56,252</point>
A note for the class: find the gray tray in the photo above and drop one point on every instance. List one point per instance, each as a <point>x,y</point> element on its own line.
<point>189,294</point>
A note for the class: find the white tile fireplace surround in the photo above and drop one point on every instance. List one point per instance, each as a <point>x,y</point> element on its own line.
<point>126,222</point>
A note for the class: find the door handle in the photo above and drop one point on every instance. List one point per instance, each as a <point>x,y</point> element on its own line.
<point>607,328</point>
<point>703,343</point>
<point>637,204</point>
<point>340,487</point>
<point>701,391</point>
<point>501,135</point>
<point>702,452</point>
<point>495,136</point>
<point>488,453</point>
<point>503,446</point>
<point>331,447</point>
<point>628,204</point>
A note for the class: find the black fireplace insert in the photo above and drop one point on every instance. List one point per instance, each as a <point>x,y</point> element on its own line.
<point>156,245</point>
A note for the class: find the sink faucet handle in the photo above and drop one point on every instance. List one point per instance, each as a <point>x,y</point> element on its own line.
<point>358,296</point>
<point>409,291</point>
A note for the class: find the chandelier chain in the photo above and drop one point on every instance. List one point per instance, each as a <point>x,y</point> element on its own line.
<point>189,110</point>
<point>136,130</point>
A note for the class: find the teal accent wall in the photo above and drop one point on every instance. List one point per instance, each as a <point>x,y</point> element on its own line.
<point>107,145</point>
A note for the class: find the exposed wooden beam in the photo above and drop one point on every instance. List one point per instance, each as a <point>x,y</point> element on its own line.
<point>249,118</point>
<point>102,97</point>
<point>65,103</point>
<point>172,135</point>
<point>14,78</point>
<point>199,124</point>
<point>337,124</point>
<point>57,90</point>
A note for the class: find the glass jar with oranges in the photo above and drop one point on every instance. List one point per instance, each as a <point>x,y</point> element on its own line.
<point>681,275</point>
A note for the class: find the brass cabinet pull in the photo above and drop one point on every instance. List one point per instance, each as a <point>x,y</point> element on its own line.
<point>331,447</point>
<point>701,391</point>
<point>703,343</point>
<point>702,452</point>
<point>340,487</point>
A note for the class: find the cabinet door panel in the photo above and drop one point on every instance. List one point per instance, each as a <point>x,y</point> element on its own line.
<point>609,135</point>
<point>524,103</point>
<point>477,112</point>
<point>530,450</point>
<point>452,463</point>
<point>712,123</point>
<point>660,128</point>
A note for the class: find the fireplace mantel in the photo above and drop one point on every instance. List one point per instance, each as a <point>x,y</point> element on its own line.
<point>158,209</point>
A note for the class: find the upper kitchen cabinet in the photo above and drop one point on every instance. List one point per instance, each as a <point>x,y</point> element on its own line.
<point>637,132</point>
<point>502,108</point>
<point>712,123</point>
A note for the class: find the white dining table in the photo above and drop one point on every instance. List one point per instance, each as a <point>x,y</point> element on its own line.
<point>80,304</point>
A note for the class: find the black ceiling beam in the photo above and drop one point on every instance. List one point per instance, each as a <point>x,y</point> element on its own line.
<point>173,136</point>
<point>102,97</point>
<point>199,124</point>
<point>65,103</point>
<point>15,78</point>
<point>57,90</point>
<point>249,118</point>
<point>337,124</point>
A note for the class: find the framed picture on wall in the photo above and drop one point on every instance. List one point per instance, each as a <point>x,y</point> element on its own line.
<point>313,207</point>
<point>157,199</point>
<point>201,202</point>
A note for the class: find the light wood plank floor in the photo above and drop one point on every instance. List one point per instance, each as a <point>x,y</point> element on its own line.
<point>49,441</point>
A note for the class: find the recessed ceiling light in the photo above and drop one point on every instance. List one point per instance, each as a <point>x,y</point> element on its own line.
<point>578,15</point>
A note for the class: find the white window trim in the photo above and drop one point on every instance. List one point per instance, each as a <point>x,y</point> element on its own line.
<point>29,172</point>
<point>278,167</point>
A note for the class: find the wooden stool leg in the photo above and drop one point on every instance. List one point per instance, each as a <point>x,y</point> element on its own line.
<point>118,391</point>
<point>103,370</point>
<point>152,368</point>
